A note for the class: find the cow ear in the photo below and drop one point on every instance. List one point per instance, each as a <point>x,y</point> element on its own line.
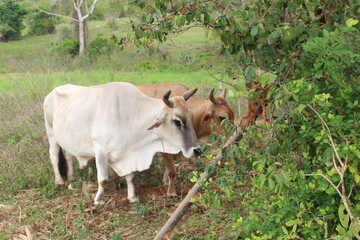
<point>159,120</point>
<point>206,117</point>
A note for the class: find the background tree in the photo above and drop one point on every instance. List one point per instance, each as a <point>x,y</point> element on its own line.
<point>79,18</point>
<point>11,16</point>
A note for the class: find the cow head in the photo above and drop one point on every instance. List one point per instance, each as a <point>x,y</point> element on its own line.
<point>217,110</point>
<point>175,124</point>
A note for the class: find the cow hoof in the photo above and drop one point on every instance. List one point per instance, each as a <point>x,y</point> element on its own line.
<point>133,200</point>
<point>59,182</point>
<point>100,202</point>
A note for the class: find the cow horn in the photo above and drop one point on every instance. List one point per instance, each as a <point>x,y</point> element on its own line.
<point>223,94</point>
<point>211,97</point>
<point>166,99</point>
<point>189,93</point>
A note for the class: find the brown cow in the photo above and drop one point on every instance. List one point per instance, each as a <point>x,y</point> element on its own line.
<point>204,111</point>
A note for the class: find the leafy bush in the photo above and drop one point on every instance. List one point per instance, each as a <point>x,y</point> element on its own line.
<point>11,16</point>
<point>41,24</point>
<point>99,46</point>
<point>68,46</point>
<point>284,180</point>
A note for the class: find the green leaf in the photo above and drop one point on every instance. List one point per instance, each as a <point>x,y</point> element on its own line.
<point>189,18</point>
<point>301,107</point>
<point>273,36</point>
<point>250,73</point>
<point>273,149</point>
<point>192,200</point>
<point>151,50</point>
<point>286,178</point>
<point>149,18</point>
<point>271,184</point>
<point>183,20</point>
<point>215,33</point>
<point>285,230</point>
<point>206,17</point>
<point>328,154</point>
<point>344,218</point>
<point>254,31</point>
<point>227,55</point>
<point>178,21</point>
<point>357,178</point>
<point>279,180</point>
<point>290,223</point>
<point>158,12</point>
<point>262,179</point>
<point>351,22</point>
<point>242,27</point>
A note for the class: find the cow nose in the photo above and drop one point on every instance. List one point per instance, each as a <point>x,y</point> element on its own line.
<point>197,151</point>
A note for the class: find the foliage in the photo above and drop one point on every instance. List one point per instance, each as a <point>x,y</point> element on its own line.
<point>11,16</point>
<point>41,24</point>
<point>98,14</point>
<point>99,46</point>
<point>300,173</point>
<point>68,46</point>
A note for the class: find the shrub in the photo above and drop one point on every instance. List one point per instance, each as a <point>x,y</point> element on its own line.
<point>68,46</point>
<point>41,24</point>
<point>64,32</point>
<point>99,46</point>
<point>11,16</point>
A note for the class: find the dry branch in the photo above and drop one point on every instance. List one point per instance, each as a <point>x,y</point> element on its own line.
<point>176,216</point>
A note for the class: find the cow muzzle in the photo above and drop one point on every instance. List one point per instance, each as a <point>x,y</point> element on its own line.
<point>197,151</point>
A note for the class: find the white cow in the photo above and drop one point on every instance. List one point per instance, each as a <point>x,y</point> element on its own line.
<point>51,103</point>
<point>119,126</point>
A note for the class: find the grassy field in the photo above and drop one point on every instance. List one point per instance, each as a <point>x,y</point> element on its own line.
<point>31,207</point>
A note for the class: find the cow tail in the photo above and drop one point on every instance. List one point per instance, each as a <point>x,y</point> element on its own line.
<point>63,168</point>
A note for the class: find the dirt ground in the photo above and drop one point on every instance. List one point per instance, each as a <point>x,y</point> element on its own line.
<point>71,214</point>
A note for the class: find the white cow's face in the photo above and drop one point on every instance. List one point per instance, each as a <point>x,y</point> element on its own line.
<point>175,125</point>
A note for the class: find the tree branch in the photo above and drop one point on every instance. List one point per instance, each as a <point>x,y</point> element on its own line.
<point>341,173</point>
<point>54,14</point>
<point>91,9</point>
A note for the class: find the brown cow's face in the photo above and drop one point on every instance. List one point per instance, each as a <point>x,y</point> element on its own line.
<point>216,111</point>
<point>221,112</point>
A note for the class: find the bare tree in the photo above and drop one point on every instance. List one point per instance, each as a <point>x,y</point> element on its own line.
<point>80,20</point>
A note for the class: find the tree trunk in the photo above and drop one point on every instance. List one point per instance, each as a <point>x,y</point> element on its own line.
<point>81,37</point>
<point>81,32</point>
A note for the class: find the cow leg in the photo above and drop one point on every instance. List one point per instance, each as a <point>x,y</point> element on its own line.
<point>169,175</point>
<point>131,188</point>
<point>54,157</point>
<point>102,176</point>
<point>70,170</point>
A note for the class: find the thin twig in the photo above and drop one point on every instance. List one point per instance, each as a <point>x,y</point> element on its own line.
<point>54,14</point>
<point>329,135</point>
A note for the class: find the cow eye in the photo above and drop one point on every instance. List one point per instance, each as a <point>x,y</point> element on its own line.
<point>221,118</point>
<point>177,122</point>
